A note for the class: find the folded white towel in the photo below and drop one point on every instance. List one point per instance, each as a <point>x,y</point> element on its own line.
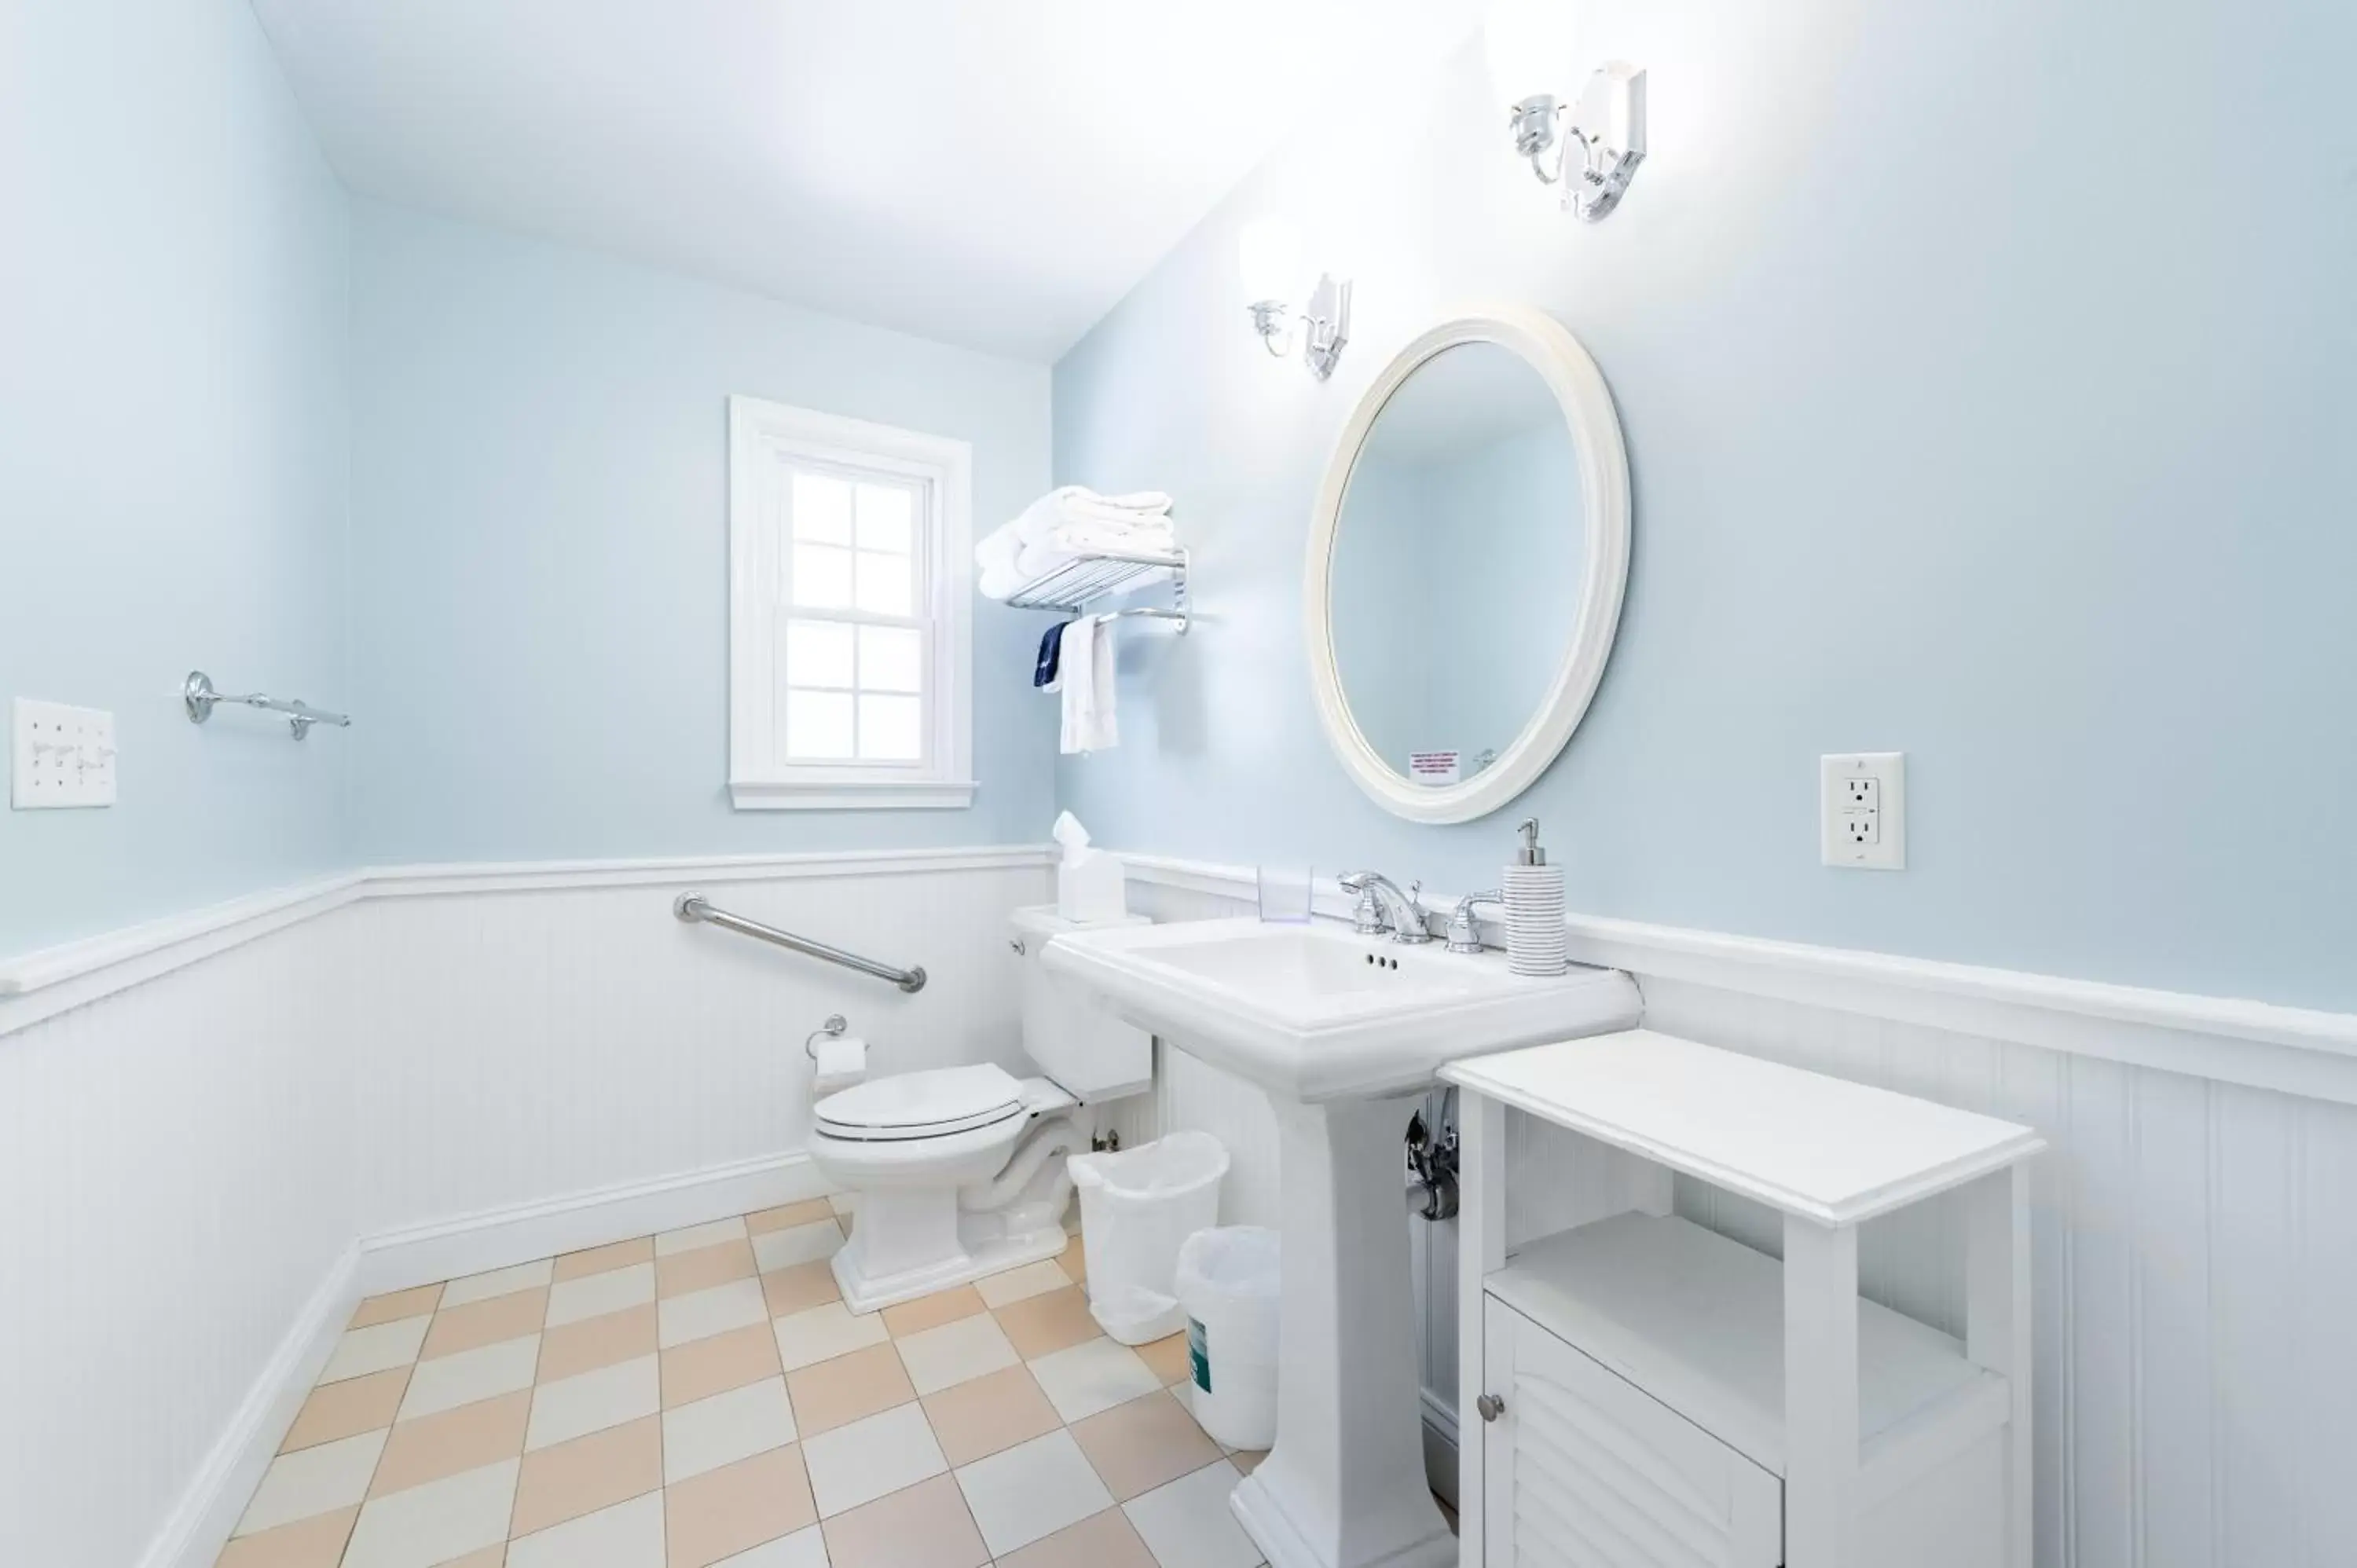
<point>1072,502</point>
<point>1135,538</point>
<point>1073,538</point>
<point>1085,668</point>
<point>1068,523</point>
<point>999,547</point>
<point>996,573</point>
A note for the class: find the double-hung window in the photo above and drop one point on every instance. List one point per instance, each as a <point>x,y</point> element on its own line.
<point>849,567</point>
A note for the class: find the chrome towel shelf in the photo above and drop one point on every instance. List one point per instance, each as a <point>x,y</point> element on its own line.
<point>1070,587</point>
<point>197,693</point>
<point>692,908</point>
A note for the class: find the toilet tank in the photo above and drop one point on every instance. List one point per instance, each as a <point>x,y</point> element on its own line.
<point>1070,1034</point>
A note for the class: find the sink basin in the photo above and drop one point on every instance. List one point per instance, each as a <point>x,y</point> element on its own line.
<point>1343,1032</point>
<point>1315,1012</point>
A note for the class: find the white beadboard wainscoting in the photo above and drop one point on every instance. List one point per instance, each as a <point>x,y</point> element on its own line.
<point>175,1189</point>
<point>219,1131</point>
<point>2195,1217</point>
<point>548,1040</point>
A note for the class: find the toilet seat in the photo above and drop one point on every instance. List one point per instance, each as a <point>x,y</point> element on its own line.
<point>914,1106</point>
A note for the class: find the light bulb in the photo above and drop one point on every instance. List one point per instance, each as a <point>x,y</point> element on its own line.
<point>1529,44</point>
<point>1268,260</point>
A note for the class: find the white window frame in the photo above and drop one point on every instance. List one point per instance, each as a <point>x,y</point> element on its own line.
<point>762,437</point>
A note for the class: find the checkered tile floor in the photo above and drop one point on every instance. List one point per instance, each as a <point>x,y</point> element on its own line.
<point>703,1397</point>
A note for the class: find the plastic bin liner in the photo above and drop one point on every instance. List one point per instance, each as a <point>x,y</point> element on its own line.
<point>1136,1207</point>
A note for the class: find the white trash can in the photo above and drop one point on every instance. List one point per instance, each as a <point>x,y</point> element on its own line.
<point>1228,1284</point>
<point>1136,1207</point>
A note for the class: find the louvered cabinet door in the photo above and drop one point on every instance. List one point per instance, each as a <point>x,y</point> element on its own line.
<point>1584,1470</point>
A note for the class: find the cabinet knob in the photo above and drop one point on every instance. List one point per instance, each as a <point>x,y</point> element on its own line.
<point>1491,1406</point>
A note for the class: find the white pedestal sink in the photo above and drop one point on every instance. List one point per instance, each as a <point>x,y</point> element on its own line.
<point>1343,1032</point>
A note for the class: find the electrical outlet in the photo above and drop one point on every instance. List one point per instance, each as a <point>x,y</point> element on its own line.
<point>63,757</point>
<point>1862,799</point>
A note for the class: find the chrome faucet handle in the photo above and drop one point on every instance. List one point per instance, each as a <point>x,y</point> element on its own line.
<point>1464,932</point>
<point>1367,918</point>
<point>1383,907</point>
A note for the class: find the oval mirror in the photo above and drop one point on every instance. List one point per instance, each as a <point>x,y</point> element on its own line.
<point>1467,562</point>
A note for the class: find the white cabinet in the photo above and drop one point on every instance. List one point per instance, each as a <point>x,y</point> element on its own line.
<point>1654,1395</point>
<point>1584,1471</point>
<point>1637,1366</point>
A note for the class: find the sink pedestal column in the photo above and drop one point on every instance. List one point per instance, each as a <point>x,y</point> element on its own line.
<point>1345,1486</point>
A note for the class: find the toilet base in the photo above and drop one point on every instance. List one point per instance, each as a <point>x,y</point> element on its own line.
<point>985,1250</point>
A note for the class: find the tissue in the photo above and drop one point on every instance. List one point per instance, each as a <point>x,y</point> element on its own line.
<point>841,1061</point>
<point>1090,885</point>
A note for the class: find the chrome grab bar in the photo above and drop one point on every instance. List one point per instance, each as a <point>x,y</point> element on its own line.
<point>694,906</point>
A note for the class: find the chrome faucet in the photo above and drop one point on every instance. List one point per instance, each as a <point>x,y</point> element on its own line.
<point>1383,907</point>
<point>1464,930</point>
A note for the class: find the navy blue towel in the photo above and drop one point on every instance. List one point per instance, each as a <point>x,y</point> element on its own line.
<point>1051,650</point>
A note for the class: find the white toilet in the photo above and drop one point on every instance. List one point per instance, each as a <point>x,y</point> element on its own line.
<point>959,1172</point>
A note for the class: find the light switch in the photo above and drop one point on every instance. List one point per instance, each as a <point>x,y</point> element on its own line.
<point>62,757</point>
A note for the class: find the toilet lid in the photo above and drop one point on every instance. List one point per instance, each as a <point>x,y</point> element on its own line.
<point>922,1104</point>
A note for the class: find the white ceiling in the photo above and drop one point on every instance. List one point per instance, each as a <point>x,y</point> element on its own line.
<point>995,173</point>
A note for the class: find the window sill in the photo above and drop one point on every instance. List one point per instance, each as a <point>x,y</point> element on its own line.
<point>840,795</point>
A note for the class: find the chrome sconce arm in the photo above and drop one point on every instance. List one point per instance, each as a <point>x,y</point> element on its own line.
<point>1607,125</point>
<point>1324,327</point>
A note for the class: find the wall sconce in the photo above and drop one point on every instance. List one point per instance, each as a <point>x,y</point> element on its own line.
<point>1268,255</point>
<point>1606,122</point>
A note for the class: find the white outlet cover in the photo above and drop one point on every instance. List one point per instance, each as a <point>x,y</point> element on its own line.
<point>1862,809</point>
<point>60,756</point>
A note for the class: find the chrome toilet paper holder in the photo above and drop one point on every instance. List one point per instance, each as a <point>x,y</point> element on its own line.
<point>835,1026</point>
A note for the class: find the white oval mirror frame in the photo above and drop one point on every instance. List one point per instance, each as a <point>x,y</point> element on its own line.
<point>1548,348</point>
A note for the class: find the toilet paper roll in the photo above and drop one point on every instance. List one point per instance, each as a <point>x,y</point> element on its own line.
<point>841,1061</point>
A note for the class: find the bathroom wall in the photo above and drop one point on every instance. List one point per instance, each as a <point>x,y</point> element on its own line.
<point>539,483</point>
<point>1980,405</point>
<point>531,1037</point>
<point>174,449</point>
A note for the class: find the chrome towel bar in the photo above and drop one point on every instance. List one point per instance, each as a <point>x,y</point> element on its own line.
<point>197,693</point>
<point>694,906</point>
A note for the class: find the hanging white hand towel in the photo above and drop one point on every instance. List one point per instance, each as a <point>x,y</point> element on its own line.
<point>1084,665</point>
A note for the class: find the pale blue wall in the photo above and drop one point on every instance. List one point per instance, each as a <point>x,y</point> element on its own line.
<point>1986,401</point>
<point>173,452</point>
<point>540,582</point>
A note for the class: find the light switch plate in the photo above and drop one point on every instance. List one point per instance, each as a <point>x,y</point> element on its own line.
<point>61,757</point>
<point>1862,806</point>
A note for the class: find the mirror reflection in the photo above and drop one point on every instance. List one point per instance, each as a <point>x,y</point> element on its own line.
<point>1458,559</point>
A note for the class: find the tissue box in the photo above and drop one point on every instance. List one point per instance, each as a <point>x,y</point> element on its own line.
<point>1092,888</point>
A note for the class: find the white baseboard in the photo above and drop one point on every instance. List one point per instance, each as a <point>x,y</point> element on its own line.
<point>196,1531</point>
<point>498,1238</point>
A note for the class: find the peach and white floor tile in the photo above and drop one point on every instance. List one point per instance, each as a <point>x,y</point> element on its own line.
<point>701,1399</point>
